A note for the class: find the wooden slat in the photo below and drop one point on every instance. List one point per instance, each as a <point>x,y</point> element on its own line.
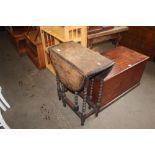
<point>108,32</point>
<point>53,35</point>
<point>62,33</point>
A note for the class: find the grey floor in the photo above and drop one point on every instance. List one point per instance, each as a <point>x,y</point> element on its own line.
<point>34,103</point>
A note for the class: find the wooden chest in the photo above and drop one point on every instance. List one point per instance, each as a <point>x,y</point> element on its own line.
<point>124,76</point>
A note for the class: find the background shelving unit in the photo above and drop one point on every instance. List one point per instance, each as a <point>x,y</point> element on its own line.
<point>17,37</point>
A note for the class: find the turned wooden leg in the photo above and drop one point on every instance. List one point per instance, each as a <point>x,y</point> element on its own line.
<point>118,40</point>
<point>90,44</point>
<point>76,108</point>
<point>82,119</point>
<point>84,102</point>
<point>91,91</point>
<point>58,88</point>
<point>63,95</point>
<point>99,97</point>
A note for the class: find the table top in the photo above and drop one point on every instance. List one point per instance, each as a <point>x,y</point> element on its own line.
<point>86,60</point>
<point>74,64</point>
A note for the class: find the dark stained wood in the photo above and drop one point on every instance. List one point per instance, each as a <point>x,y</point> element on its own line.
<point>96,29</point>
<point>2,28</point>
<point>141,39</point>
<point>98,34</point>
<point>125,74</point>
<point>17,37</point>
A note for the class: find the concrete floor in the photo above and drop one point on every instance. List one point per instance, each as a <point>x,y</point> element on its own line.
<point>34,102</point>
